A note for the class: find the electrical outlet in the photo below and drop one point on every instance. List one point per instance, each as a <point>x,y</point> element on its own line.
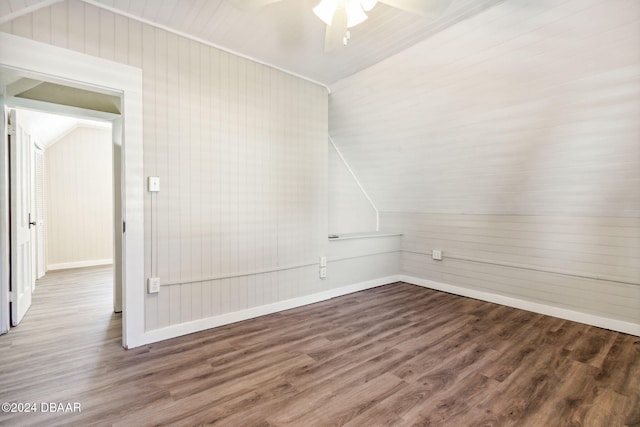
<point>323,261</point>
<point>436,254</point>
<point>153,285</point>
<point>323,272</point>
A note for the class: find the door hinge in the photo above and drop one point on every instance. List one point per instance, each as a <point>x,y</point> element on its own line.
<point>10,125</point>
<point>124,226</point>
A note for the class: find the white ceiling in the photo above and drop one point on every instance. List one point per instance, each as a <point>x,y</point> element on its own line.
<point>48,128</point>
<point>289,36</point>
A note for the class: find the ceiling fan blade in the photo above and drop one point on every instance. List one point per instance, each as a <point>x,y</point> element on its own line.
<point>252,4</point>
<point>428,8</point>
<point>335,33</point>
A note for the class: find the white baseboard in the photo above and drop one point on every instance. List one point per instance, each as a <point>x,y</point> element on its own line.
<point>250,313</point>
<point>237,316</point>
<point>79,264</point>
<point>562,313</point>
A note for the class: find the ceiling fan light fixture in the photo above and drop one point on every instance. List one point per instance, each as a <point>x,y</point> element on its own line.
<point>367,5</point>
<point>355,14</point>
<point>325,10</point>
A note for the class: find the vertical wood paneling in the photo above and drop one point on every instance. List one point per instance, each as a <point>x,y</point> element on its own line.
<point>150,131</point>
<point>240,149</point>
<point>171,188</point>
<point>135,43</point>
<point>196,180</point>
<point>41,25</point>
<point>77,21</point>
<point>206,214</point>
<point>23,26</point>
<point>162,161</point>
<point>91,33</point>
<point>78,178</point>
<point>121,28</point>
<point>60,25</point>
<point>107,36</point>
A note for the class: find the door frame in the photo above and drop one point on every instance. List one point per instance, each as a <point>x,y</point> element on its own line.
<point>5,313</point>
<point>50,63</point>
<point>39,250</point>
<point>115,121</point>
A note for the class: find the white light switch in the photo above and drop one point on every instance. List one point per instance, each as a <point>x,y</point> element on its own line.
<point>153,285</point>
<point>153,183</point>
<point>323,261</point>
<point>323,272</point>
<point>436,254</point>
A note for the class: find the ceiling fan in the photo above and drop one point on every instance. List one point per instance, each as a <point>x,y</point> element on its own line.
<point>340,15</point>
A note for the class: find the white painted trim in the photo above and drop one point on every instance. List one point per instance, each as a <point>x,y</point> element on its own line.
<point>28,9</point>
<point>199,40</point>
<point>4,224</point>
<point>355,178</point>
<point>79,264</point>
<point>237,316</point>
<point>72,68</point>
<point>562,313</point>
<point>65,110</point>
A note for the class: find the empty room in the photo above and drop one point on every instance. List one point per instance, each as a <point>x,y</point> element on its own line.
<point>320,212</point>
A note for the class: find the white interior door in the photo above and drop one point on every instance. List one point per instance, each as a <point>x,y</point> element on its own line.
<point>39,209</point>
<point>22,279</point>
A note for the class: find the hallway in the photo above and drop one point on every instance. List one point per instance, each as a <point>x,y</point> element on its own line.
<point>73,306</point>
<point>50,356</point>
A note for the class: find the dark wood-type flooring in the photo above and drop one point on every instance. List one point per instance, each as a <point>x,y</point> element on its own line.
<point>394,355</point>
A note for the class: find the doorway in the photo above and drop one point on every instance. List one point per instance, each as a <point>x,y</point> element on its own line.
<point>72,224</point>
<point>70,198</point>
<point>40,61</point>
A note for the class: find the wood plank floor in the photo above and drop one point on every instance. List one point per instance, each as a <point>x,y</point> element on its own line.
<point>394,355</point>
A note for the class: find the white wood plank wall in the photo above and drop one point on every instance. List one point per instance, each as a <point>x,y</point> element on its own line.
<point>511,141</point>
<point>528,108</point>
<point>79,199</point>
<point>584,264</point>
<point>241,152</point>
<point>349,209</point>
<point>356,260</point>
<point>10,8</point>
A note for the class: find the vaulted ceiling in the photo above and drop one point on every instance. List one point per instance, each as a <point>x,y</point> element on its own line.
<point>47,128</point>
<point>285,34</point>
